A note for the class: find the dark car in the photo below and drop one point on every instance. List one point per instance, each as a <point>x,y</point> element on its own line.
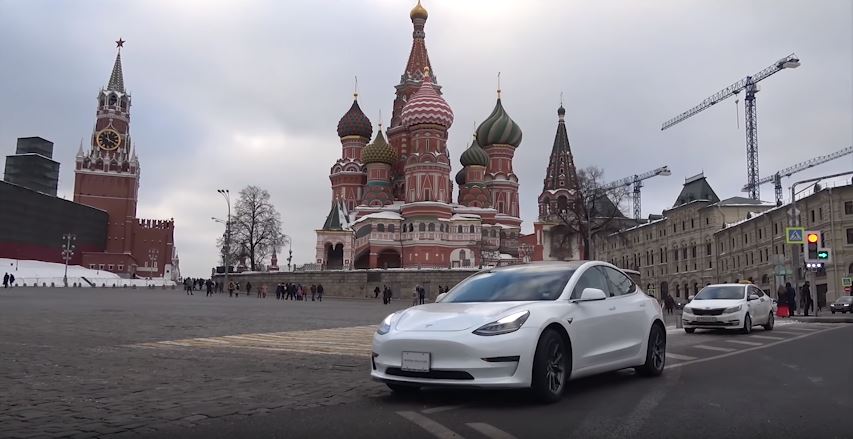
<point>842,304</point>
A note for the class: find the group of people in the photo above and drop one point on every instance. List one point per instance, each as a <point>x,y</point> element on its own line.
<point>787,295</point>
<point>295,291</point>
<point>8,280</point>
<point>419,294</point>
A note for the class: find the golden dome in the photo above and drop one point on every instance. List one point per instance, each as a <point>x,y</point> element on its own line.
<point>418,12</point>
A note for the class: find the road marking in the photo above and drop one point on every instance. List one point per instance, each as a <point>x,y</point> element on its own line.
<point>746,343</point>
<point>431,426</point>
<point>799,328</point>
<point>353,341</point>
<point>743,351</point>
<point>790,333</point>
<point>490,431</point>
<point>711,348</point>
<point>444,408</point>
<point>679,357</point>
<point>766,337</point>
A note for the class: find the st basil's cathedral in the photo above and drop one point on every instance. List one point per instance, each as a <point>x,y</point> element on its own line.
<point>392,197</point>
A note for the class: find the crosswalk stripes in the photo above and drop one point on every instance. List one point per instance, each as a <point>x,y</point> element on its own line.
<point>766,337</point>
<point>745,343</point>
<point>353,341</point>
<point>712,348</point>
<point>675,356</point>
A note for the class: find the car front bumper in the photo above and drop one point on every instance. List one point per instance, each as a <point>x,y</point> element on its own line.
<point>731,320</point>
<point>457,358</point>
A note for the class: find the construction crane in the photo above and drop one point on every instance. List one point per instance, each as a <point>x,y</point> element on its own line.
<point>750,84</point>
<point>787,172</point>
<point>637,182</point>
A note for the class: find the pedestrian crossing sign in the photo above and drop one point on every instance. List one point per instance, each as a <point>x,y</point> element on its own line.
<point>794,235</point>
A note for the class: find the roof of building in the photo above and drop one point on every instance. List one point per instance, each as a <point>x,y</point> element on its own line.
<point>499,129</point>
<point>696,188</point>
<point>337,217</point>
<point>460,177</point>
<point>418,12</point>
<point>474,155</point>
<point>384,215</point>
<point>379,151</point>
<point>116,82</point>
<point>561,172</point>
<point>354,122</point>
<point>426,106</point>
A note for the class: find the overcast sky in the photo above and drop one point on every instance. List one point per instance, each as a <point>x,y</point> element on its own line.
<point>232,93</point>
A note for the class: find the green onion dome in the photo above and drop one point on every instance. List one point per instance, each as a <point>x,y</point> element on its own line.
<point>460,177</point>
<point>474,155</point>
<point>379,151</point>
<point>499,129</point>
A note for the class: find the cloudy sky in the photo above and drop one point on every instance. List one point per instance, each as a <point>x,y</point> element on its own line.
<point>232,93</point>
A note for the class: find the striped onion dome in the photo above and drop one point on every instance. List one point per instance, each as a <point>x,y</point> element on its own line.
<point>427,106</point>
<point>379,151</point>
<point>474,155</point>
<point>499,129</point>
<point>355,123</point>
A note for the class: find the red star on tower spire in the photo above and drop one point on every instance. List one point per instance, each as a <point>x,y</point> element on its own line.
<point>120,43</point>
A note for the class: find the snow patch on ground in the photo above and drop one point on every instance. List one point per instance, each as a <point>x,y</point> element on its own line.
<point>47,273</point>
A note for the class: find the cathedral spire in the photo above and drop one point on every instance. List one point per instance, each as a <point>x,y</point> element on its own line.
<point>561,167</point>
<point>418,57</point>
<point>116,78</point>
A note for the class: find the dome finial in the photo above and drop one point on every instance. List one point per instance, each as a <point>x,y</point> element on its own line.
<point>418,12</point>
<point>355,89</point>
<point>499,85</point>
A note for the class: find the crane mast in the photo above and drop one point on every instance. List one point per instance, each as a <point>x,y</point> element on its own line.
<point>750,86</point>
<point>776,178</point>
<point>637,182</point>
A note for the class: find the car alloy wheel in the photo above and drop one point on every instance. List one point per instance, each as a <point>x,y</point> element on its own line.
<point>771,320</point>
<point>747,324</point>
<point>655,353</point>
<point>551,365</point>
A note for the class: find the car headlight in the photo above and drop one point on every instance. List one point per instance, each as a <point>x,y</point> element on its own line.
<point>732,309</point>
<point>687,310</point>
<point>385,326</point>
<point>510,323</point>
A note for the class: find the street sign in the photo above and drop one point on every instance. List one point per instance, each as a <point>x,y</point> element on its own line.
<point>847,281</point>
<point>794,235</point>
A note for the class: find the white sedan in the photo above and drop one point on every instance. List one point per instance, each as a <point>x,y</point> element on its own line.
<point>729,306</point>
<point>527,326</point>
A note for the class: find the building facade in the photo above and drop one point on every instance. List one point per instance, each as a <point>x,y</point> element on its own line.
<point>32,166</point>
<point>703,239</point>
<point>392,198</point>
<point>106,177</point>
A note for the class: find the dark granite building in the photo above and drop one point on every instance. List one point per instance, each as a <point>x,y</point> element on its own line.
<point>32,166</point>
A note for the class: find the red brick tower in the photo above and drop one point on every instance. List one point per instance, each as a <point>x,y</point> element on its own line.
<point>378,157</point>
<point>471,178</point>
<point>107,177</point>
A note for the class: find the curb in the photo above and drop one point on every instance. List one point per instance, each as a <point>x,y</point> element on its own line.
<point>823,319</point>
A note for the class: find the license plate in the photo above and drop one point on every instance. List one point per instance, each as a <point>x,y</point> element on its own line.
<point>705,319</point>
<point>416,361</point>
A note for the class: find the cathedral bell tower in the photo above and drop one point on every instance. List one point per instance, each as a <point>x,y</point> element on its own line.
<point>106,174</point>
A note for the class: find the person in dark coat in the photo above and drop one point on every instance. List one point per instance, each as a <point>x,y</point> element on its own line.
<point>806,299</point>
<point>6,281</point>
<point>313,292</point>
<point>376,292</point>
<point>792,297</point>
<point>421,295</point>
<point>248,288</point>
<point>320,292</point>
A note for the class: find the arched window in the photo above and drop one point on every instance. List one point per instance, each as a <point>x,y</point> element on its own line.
<point>494,234</point>
<point>411,227</point>
<point>391,228</point>
<point>113,99</point>
<point>431,227</point>
<point>422,227</point>
<point>458,229</point>
<point>380,228</point>
<point>471,229</point>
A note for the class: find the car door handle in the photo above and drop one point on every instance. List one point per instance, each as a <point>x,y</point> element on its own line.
<point>612,308</point>
<point>643,305</point>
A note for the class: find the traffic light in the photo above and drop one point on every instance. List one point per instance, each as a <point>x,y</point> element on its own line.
<point>812,244</point>
<point>823,255</point>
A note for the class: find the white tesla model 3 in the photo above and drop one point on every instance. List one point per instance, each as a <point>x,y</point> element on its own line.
<point>534,326</point>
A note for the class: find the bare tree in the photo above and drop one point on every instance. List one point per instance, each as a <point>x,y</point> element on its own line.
<point>255,226</point>
<point>595,211</point>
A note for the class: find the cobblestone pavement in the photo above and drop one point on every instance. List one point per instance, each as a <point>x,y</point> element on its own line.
<point>124,362</point>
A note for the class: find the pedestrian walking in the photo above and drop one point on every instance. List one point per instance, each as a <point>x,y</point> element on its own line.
<point>313,292</point>
<point>248,288</point>
<point>209,285</point>
<point>669,303</point>
<point>319,292</point>
<point>415,293</point>
<point>792,298</point>
<point>231,288</point>
<point>375,292</point>
<point>421,295</point>
<point>188,286</point>
<point>299,292</point>
<point>6,280</point>
<point>806,299</point>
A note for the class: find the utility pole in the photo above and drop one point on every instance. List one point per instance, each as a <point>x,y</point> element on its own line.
<point>67,252</point>
<point>225,194</point>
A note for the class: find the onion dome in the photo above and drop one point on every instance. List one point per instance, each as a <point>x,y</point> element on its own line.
<point>460,177</point>
<point>427,106</point>
<point>499,129</point>
<point>475,155</point>
<point>379,151</point>
<point>418,12</point>
<point>355,123</point>
<point>561,111</point>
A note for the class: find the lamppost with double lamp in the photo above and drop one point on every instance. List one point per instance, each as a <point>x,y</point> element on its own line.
<point>152,257</point>
<point>67,252</point>
<point>227,195</point>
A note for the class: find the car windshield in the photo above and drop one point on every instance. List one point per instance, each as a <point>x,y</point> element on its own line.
<point>721,292</point>
<point>514,284</point>
<point>845,299</point>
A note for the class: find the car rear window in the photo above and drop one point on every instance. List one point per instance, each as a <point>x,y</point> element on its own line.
<point>515,284</point>
<point>721,292</point>
<point>845,299</point>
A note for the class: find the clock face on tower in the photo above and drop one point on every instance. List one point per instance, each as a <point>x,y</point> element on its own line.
<point>108,139</point>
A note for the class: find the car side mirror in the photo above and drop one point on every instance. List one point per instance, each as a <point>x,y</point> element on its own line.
<point>752,297</point>
<point>689,298</point>
<point>591,294</point>
<point>440,296</point>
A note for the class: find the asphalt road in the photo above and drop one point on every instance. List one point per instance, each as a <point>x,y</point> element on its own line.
<point>142,363</point>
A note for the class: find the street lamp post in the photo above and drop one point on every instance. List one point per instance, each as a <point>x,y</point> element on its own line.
<point>152,257</point>
<point>227,195</point>
<point>67,252</point>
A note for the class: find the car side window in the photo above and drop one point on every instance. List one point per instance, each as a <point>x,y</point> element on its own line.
<point>591,278</point>
<point>756,291</point>
<point>618,283</point>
